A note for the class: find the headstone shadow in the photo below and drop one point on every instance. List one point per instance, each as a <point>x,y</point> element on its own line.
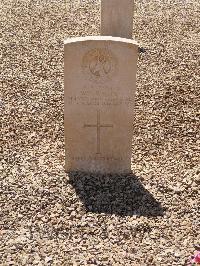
<point>122,195</point>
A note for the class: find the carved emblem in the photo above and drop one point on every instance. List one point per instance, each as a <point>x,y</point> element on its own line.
<point>99,64</point>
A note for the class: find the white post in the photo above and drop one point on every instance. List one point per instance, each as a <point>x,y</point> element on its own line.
<point>117,18</point>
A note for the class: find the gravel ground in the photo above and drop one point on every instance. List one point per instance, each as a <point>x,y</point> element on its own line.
<point>47,217</point>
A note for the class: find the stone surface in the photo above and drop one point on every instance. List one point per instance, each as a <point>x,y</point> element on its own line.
<point>100,75</point>
<point>117,18</point>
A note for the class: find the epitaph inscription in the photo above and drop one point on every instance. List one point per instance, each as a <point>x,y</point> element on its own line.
<point>97,158</point>
<point>98,127</point>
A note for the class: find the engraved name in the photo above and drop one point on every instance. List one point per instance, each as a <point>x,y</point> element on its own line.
<point>98,101</point>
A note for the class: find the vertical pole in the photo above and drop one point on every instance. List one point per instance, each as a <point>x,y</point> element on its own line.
<point>117,18</point>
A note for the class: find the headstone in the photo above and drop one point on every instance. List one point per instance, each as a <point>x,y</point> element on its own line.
<point>100,77</point>
<point>117,18</point>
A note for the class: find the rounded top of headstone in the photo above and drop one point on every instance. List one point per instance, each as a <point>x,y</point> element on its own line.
<point>100,38</point>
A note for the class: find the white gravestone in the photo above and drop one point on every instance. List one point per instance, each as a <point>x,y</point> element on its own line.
<point>100,81</point>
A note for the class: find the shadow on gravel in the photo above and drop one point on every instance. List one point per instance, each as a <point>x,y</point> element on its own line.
<point>122,195</point>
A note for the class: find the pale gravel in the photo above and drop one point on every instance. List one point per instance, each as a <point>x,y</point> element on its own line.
<point>47,217</point>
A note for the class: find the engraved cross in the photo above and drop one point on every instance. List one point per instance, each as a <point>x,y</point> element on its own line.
<point>98,127</point>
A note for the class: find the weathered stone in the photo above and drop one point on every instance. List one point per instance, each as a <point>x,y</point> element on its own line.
<point>117,18</point>
<point>100,75</point>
